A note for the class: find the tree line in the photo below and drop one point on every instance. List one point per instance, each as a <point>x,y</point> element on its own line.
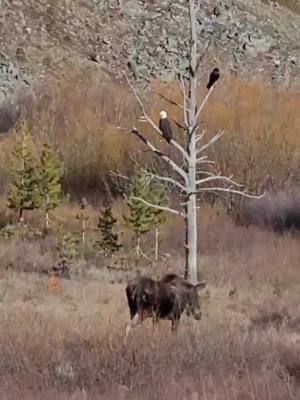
<point>36,173</point>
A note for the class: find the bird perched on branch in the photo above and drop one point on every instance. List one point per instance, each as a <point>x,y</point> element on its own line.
<point>165,127</point>
<point>214,76</point>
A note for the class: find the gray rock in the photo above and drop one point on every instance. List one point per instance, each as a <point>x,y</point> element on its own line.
<point>150,38</point>
<point>258,46</point>
<point>9,114</point>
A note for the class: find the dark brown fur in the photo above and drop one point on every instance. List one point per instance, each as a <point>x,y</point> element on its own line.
<point>163,299</point>
<point>188,292</point>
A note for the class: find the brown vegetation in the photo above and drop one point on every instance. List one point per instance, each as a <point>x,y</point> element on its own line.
<point>69,343</point>
<point>80,115</point>
<point>278,211</point>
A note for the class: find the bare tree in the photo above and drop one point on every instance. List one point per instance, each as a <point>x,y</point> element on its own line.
<point>194,176</point>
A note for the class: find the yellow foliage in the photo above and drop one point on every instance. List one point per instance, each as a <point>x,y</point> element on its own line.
<point>81,113</point>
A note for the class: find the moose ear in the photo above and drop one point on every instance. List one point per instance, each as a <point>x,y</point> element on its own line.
<point>201,285</point>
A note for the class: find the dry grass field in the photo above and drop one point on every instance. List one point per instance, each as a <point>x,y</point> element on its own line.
<point>67,342</point>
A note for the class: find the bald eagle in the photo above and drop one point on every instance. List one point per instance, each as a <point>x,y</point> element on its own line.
<point>214,76</point>
<point>165,127</point>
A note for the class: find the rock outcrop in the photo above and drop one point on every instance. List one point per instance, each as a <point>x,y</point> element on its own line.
<point>146,38</point>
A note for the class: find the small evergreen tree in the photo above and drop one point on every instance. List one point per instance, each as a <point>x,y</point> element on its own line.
<point>106,223</point>
<point>50,171</point>
<point>23,192</point>
<point>67,247</point>
<point>140,219</point>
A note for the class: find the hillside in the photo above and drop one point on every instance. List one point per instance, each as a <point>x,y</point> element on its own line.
<point>148,38</point>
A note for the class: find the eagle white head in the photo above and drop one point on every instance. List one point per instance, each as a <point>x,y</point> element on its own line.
<point>163,114</point>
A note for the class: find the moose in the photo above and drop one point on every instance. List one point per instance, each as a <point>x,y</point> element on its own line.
<point>166,298</point>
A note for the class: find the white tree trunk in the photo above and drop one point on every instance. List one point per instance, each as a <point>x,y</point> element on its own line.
<point>191,219</point>
<point>193,154</point>
<point>191,240</point>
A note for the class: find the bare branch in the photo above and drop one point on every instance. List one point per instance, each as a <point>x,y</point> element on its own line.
<point>171,210</point>
<point>116,174</point>
<point>174,103</point>
<point>199,161</point>
<point>121,128</point>
<point>185,101</point>
<point>229,190</point>
<point>185,105</point>
<point>165,179</point>
<point>211,141</point>
<point>153,124</point>
<point>179,125</point>
<point>172,164</point>
<point>200,136</point>
<point>220,178</point>
<point>202,105</point>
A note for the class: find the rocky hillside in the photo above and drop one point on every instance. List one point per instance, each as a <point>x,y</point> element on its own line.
<point>146,38</point>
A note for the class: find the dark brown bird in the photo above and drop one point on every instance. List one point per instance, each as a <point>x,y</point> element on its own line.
<point>214,76</point>
<point>165,127</point>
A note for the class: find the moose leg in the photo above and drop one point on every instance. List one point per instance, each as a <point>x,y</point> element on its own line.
<point>135,321</point>
<point>155,317</point>
<point>155,320</point>
<point>175,323</point>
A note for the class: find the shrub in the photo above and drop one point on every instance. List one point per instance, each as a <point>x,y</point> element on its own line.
<point>278,211</point>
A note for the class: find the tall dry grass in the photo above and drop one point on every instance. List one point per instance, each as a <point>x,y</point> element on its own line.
<point>69,343</point>
<point>72,343</point>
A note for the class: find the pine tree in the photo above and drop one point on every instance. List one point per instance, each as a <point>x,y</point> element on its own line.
<point>67,246</point>
<point>50,172</point>
<point>23,192</point>
<point>140,219</point>
<point>106,223</point>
